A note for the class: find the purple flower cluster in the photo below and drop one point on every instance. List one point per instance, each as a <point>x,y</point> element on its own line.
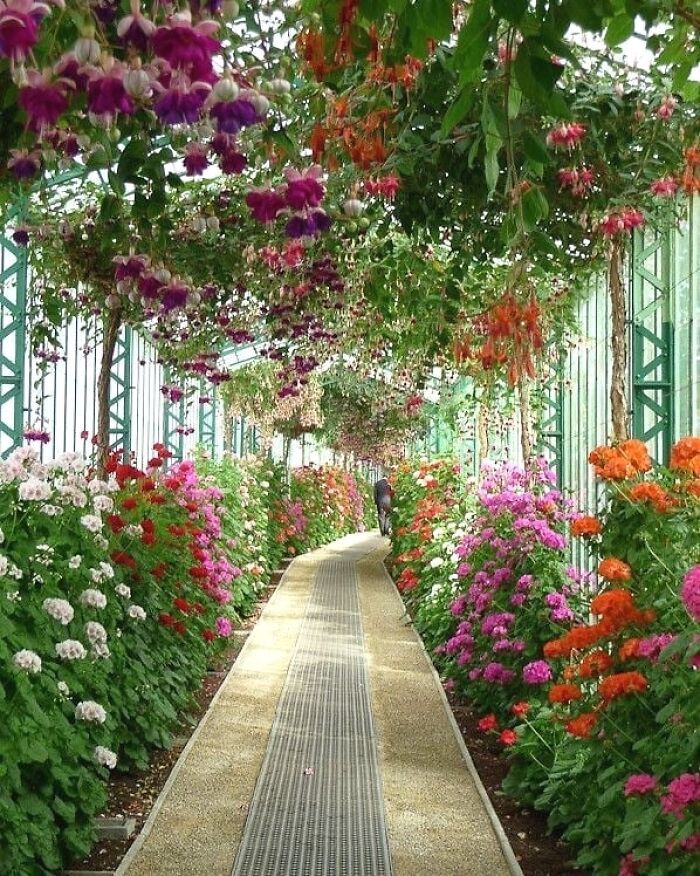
<point>302,195</point>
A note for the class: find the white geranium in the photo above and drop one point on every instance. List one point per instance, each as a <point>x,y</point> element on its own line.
<point>95,632</point>
<point>91,522</point>
<point>438,532</point>
<point>71,649</point>
<point>107,571</point>
<point>436,562</point>
<point>27,661</point>
<point>123,590</point>
<point>88,710</point>
<point>136,612</point>
<point>101,542</point>
<point>13,596</point>
<point>102,503</point>
<point>34,490</point>
<point>133,530</point>
<point>105,757</point>
<point>100,650</point>
<point>91,598</point>
<point>15,572</point>
<point>63,688</point>
<point>51,510</point>
<point>75,561</point>
<point>60,610</point>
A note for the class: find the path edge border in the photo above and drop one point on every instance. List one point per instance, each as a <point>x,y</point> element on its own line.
<point>501,835</point>
<point>148,824</point>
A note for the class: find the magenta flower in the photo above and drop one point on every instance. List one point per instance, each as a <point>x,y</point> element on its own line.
<point>224,627</point>
<point>233,115</point>
<point>43,101</point>
<point>174,295</point>
<point>19,27</point>
<point>69,68</point>
<point>641,783</point>
<point>690,592</point>
<point>24,164</point>
<point>182,103</point>
<point>681,792</point>
<point>233,161</point>
<point>265,204</point>
<point>129,267</point>
<point>304,189</point>
<point>106,93</point>
<point>136,29</point>
<point>537,672</point>
<point>195,160</point>
<point>664,187</point>
<point>188,48</point>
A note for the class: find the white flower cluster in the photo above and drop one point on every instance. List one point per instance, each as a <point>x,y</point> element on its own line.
<point>93,598</point>
<point>103,503</point>
<point>133,530</point>
<point>60,610</point>
<point>34,490</point>
<point>71,649</point>
<point>104,573</point>
<point>96,633</point>
<point>91,522</point>
<point>63,688</point>
<point>123,590</point>
<point>44,554</point>
<point>105,757</point>
<point>89,710</point>
<point>75,561</point>
<point>28,661</point>
<point>136,612</point>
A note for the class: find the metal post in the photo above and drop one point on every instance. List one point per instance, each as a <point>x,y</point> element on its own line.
<point>13,305</point>
<point>207,420</point>
<point>173,423</point>
<point>120,394</point>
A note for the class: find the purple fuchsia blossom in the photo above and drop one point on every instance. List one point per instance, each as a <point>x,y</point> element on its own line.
<point>135,29</point>
<point>195,160</point>
<point>639,784</point>
<point>537,672</point>
<point>681,792</point>
<point>19,27</point>
<point>43,99</point>
<point>304,189</point>
<point>23,163</point>
<point>21,235</point>
<point>690,592</point>
<point>181,103</point>
<point>106,93</point>
<point>188,48</point>
<point>307,225</point>
<point>233,161</point>
<point>265,204</point>
<point>37,435</point>
<point>234,115</point>
<point>130,267</point>
<point>173,294</point>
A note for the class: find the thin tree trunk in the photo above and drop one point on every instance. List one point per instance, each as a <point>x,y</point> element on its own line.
<point>525,420</point>
<point>228,430</point>
<point>110,333</point>
<point>483,431</point>
<point>618,342</point>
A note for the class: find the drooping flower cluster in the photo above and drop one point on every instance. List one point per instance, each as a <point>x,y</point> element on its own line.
<point>300,196</point>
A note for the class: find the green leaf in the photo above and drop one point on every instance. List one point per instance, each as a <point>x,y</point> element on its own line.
<point>535,149</point>
<point>458,110</point>
<point>619,29</point>
<point>473,41</point>
<point>435,18</point>
<point>109,207</point>
<point>511,10</point>
<point>117,183</point>
<point>515,97</point>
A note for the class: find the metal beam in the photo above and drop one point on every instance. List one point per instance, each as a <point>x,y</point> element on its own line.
<point>13,318</point>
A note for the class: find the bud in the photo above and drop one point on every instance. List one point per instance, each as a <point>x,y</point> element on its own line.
<point>261,104</point>
<point>137,83</point>
<point>199,224</point>
<point>225,89</point>
<point>123,287</point>
<point>193,298</point>
<point>353,208</point>
<point>87,50</point>
<point>113,301</point>
<point>230,9</point>
<point>163,275</point>
<point>280,86</point>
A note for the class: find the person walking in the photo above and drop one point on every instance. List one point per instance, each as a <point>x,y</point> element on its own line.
<point>382,499</point>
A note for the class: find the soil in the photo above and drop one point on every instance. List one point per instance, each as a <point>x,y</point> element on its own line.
<point>133,795</point>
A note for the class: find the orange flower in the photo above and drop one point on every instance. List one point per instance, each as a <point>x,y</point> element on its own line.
<point>574,640</point>
<point>653,493</point>
<point>564,693</point>
<point>614,569</point>
<point>628,649</point>
<point>637,453</point>
<point>623,461</point>
<point>618,610</point>
<point>583,725</point>
<point>621,683</point>
<point>586,527</point>
<point>594,664</point>
<point>685,456</point>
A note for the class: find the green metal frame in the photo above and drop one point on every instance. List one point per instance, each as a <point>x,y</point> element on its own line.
<point>120,394</point>
<point>13,325</point>
<point>652,343</point>
<point>207,420</point>
<point>173,420</point>
<point>550,429</point>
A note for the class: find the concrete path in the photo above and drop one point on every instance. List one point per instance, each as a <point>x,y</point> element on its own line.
<point>329,750</point>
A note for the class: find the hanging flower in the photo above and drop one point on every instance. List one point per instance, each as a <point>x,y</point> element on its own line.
<point>23,163</point>
<point>19,27</point>
<point>195,160</point>
<point>667,106</point>
<point>135,29</point>
<point>106,93</point>
<point>188,48</point>
<point>664,187</point>
<point>182,102</point>
<point>43,99</point>
<point>566,134</point>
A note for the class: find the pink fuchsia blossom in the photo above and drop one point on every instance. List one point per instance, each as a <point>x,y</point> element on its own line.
<point>639,784</point>
<point>537,672</point>
<point>135,28</point>
<point>690,592</point>
<point>19,27</point>
<point>621,221</point>
<point>188,48</point>
<point>384,186</point>
<point>265,204</point>
<point>43,99</point>
<point>106,93</point>
<point>664,187</point>
<point>304,189</point>
<point>578,180</point>
<point>195,160</point>
<point>667,106</point>
<point>224,627</point>
<point>681,792</point>
<point>567,134</point>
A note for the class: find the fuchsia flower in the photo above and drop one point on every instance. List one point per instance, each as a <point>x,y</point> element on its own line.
<point>304,189</point>
<point>43,100</point>
<point>567,134</point>
<point>182,102</point>
<point>135,28</point>
<point>106,93</point>
<point>195,160</point>
<point>265,204</point>
<point>24,164</point>
<point>188,48</point>
<point>690,592</point>
<point>19,27</point>
<point>386,186</point>
<point>665,187</point>
<point>232,161</point>
<point>233,115</point>
<point>668,104</point>
<point>174,294</point>
<point>621,221</point>
<point>579,181</point>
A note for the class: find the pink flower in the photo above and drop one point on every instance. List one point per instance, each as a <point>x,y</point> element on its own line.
<point>664,187</point>
<point>19,27</point>
<point>537,672</point>
<point>224,627</point>
<point>578,180</point>
<point>106,93</point>
<point>641,783</point>
<point>567,134</point>
<point>195,159</point>
<point>665,110</point>
<point>43,100</point>
<point>690,592</point>
<point>680,793</point>
<point>630,866</point>
<point>621,221</point>
<point>188,48</point>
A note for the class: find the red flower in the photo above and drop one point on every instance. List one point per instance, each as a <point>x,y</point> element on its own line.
<point>121,558</point>
<point>208,635</point>
<point>156,462</point>
<point>490,722</point>
<point>147,485</point>
<point>198,572</point>
<point>167,620</point>
<point>129,504</point>
<point>181,604</point>
<point>179,628</point>
<point>115,522</point>
<point>157,499</point>
<point>520,709</point>
<point>508,737</point>
<point>148,525</point>
<point>159,570</point>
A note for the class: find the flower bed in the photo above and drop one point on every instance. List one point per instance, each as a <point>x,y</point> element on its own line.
<point>593,689</point>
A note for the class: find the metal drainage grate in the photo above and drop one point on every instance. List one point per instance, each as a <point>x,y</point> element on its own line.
<point>318,807</point>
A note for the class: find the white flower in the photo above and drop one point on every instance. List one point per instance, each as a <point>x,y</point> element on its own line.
<point>34,490</point>
<point>105,757</point>
<point>14,572</point>
<point>438,532</point>
<point>51,510</point>
<point>265,485</point>
<point>4,565</point>
<point>71,649</point>
<point>91,522</point>
<point>134,530</point>
<point>60,610</point>
<point>101,542</point>
<point>28,661</point>
<point>136,612</point>
<point>93,598</point>
<point>74,562</point>
<point>2,536</point>
<point>436,562</point>
<point>123,590</point>
<point>63,688</point>
<point>14,596</point>
<point>100,650</point>
<point>107,570</point>
<point>103,503</point>
<point>95,632</point>
<point>90,711</point>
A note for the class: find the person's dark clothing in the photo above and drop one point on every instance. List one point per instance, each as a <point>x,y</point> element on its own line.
<point>381,491</point>
<point>382,499</point>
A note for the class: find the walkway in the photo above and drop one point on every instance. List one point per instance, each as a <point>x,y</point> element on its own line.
<point>328,751</point>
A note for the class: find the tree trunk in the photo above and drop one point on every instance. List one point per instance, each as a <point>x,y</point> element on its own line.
<point>618,342</point>
<point>110,333</point>
<point>525,420</point>
<point>483,431</point>
<point>228,430</point>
